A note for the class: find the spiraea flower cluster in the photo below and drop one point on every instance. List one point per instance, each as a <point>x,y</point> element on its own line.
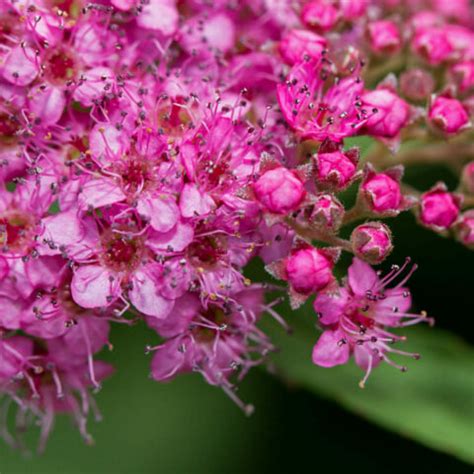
<point>151,149</point>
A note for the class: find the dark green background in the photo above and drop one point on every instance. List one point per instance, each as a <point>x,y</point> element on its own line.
<point>189,427</point>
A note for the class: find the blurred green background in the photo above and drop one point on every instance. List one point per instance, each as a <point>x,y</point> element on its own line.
<point>189,427</point>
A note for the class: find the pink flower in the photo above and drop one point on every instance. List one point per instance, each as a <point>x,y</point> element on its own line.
<point>433,45</point>
<point>381,191</point>
<point>372,242</point>
<point>334,168</point>
<point>468,177</point>
<point>389,113</point>
<point>296,44</point>
<point>279,190</point>
<point>448,115</point>
<point>320,14</point>
<point>417,84</point>
<point>317,111</point>
<point>308,270</point>
<point>356,316</point>
<point>439,208</point>
<point>384,36</point>
<point>464,229</point>
<point>327,212</point>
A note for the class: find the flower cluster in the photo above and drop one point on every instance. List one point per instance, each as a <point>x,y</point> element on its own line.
<point>150,149</point>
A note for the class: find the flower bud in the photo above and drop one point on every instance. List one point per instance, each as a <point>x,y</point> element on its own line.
<point>382,193</point>
<point>384,36</point>
<point>308,270</point>
<point>387,113</point>
<point>417,84</point>
<point>335,169</point>
<point>372,242</point>
<point>448,115</point>
<point>433,45</point>
<point>439,208</point>
<point>320,14</point>
<point>463,75</point>
<point>467,178</point>
<point>354,9</point>
<point>280,190</point>
<point>296,44</point>
<point>464,229</point>
<point>327,212</point>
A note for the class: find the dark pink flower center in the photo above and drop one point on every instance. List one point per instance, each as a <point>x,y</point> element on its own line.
<point>120,252</point>
<point>16,231</point>
<point>60,66</point>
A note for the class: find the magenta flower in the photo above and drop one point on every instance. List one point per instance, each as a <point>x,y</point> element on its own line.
<point>356,316</point>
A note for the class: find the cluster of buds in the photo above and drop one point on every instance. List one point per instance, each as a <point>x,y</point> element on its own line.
<point>149,150</point>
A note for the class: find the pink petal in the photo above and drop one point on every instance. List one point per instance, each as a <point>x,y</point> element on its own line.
<point>107,141</point>
<point>144,296</point>
<point>162,213</point>
<point>192,203</point>
<point>100,192</point>
<point>177,238</point>
<point>19,67</point>
<point>64,228</point>
<point>47,104</point>
<point>93,286</point>
<point>330,306</point>
<point>328,351</point>
<point>160,15</point>
<point>93,87</point>
<point>362,277</point>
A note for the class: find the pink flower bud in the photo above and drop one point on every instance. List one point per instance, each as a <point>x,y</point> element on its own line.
<point>439,208</point>
<point>468,177</point>
<point>327,212</point>
<point>417,84</point>
<point>388,114</point>
<point>320,14</point>
<point>354,9</point>
<point>296,44</point>
<point>448,115</point>
<point>335,169</point>
<point>384,36</point>
<point>372,242</point>
<point>280,190</point>
<point>382,193</point>
<point>308,270</point>
<point>465,229</point>
<point>463,75</point>
<point>433,45</point>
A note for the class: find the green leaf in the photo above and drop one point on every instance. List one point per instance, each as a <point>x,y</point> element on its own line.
<point>432,403</point>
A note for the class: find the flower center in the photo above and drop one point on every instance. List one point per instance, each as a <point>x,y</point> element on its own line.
<point>16,231</point>
<point>60,66</point>
<point>208,250</point>
<point>9,126</point>
<point>136,175</point>
<point>121,253</point>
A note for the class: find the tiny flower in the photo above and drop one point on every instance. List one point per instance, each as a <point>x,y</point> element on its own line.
<point>308,270</point>
<point>417,84</point>
<point>355,319</point>
<point>372,242</point>
<point>462,74</point>
<point>297,44</point>
<point>464,229</point>
<point>320,14</point>
<point>390,113</point>
<point>468,177</point>
<point>327,212</point>
<point>384,36</point>
<point>433,45</point>
<point>448,115</point>
<point>280,190</point>
<point>335,168</point>
<point>439,208</point>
